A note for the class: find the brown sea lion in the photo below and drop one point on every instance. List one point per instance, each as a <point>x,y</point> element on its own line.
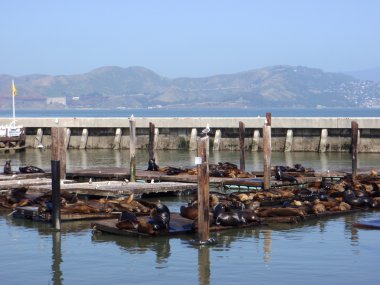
<point>146,228</point>
<point>281,212</point>
<point>319,208</point>
<point>189,212</point>
<point>128,221</point>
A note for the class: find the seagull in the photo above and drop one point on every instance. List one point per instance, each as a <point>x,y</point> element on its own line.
<point>206,130</point>
<point>152,181</point>
<point>90,181</point>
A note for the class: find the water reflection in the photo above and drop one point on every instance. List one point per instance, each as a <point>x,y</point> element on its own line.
<point>267,245</point>
<point>117,157</point>
<point>57,275</point>
<point>137,245</point>
<point>185,158</point>
<point>204,265</point>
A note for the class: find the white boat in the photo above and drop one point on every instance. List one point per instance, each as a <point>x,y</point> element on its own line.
<point>12,137</point>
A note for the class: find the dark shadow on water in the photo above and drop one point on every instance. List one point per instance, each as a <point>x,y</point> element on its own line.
<point>138,245</point>
<point>57,275</point>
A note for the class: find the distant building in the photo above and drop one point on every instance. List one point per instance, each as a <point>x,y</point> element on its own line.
<point>56,100</point>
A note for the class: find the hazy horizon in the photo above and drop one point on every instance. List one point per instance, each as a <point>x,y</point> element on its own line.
<point>187,39</point>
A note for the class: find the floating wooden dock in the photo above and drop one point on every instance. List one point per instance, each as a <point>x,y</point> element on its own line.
<point>177,225</point>
<point>27,182</point>
<point>32,213</point>
<point>181,225</point>
<point>120,188</point>
<point>18,176</point>
<point>120,173</point>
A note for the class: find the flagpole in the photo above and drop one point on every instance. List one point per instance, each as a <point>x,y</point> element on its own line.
<point>13,100</point>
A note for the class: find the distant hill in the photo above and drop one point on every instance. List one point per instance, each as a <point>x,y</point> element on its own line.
<point>367,74</point>
<point>138,87</point>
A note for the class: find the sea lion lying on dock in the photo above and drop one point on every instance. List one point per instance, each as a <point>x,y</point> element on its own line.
<point>281,212</point>
<point>224,217</point>
<point>30,169</point>
<point>280,175</point>
<point>128,221</point>
<point>189,212</point>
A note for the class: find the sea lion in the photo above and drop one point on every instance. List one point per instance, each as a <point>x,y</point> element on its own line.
<point>160,217</point>
<point>152,166</point>
<point>280,175</point>
<point>7,167</point>
<point>281,212</point>
<point>146,228</point>
<point>128,221</point>
<point>224,217</point>
<point>319,208</point>
<point>30,169</point>
<point>189,212</point>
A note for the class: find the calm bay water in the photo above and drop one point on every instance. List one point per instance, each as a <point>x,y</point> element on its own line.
<point>328,251</point>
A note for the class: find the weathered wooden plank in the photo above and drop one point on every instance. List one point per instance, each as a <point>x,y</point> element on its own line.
<point>33,214</point>
<point>18,183</point>
<point>117,188</point>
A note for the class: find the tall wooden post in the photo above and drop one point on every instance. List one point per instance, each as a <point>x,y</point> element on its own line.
<point>151,141</point>
<point>242,147</point>
<point>58,148</point>
<point>203,189</point>
<point>354,146</point>
<point>267,147</point>
<point>56,194</point>
<point>132,148</point>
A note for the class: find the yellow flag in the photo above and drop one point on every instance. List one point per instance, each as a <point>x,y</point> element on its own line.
<point>14,90</point>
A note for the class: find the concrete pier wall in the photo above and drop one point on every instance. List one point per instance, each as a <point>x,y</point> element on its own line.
<point>308,134</point>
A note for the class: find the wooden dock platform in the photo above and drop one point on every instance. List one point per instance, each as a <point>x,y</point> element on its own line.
<point>27,182</point>
<point>120,188</point>
<point>120,173</point>
<point>32,213</point>
<point>177,225</point>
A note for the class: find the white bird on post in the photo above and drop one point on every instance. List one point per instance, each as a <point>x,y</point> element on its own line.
<point>206,130</point>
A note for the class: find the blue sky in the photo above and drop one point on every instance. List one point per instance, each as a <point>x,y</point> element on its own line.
<point>187,38</point>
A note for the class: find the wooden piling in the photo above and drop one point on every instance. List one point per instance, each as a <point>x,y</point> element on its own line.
<point>132,148</point>
<point>151,141</point>
<point>354,147</point>
<point>56,194</point>
<point>242,146</point>
<point>58,149</point>
<point>203,189</point>
<point>267,148</point>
